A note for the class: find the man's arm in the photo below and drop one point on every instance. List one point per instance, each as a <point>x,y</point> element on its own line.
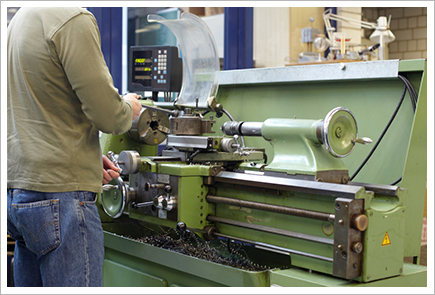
<point>77,44</point>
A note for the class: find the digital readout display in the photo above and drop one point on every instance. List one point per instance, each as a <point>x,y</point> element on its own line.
<point>142,69</point>
<point>142,60</point>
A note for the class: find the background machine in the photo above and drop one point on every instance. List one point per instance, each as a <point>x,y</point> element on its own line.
<point>263,177</point>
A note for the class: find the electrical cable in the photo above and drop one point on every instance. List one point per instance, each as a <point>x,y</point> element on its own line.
<point>167,96</point>
<point>381,136</point>
<point>410,87</point>
<point>397,181</point>
<point>413,95</point>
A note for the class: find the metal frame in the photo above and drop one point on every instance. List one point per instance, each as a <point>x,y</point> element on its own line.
<point>296,74</point>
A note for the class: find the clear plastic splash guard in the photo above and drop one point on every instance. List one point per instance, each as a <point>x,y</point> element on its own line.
<point>200,59</point>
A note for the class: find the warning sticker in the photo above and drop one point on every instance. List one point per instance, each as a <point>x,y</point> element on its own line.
<point>386,241</point>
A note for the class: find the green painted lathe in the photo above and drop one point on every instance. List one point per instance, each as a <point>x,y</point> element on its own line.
<point>277,174</point>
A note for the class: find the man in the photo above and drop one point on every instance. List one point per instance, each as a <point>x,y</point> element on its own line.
<point>60,95</point>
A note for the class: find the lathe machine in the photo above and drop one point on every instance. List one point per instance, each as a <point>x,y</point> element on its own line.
<point>263,177</point>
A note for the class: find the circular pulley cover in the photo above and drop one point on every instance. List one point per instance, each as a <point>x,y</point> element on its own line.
<point>114,200</point>
<point>339,131</point>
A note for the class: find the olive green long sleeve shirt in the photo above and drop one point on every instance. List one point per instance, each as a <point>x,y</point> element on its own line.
<point>60,95</point>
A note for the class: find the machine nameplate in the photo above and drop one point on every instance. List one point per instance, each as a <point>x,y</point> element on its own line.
<point>163,178</point>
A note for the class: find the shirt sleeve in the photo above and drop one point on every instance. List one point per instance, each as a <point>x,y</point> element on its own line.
<point>78,47</point>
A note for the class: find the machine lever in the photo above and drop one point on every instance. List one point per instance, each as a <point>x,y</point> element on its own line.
<point>182,228</point>
<point>362,140</point>
<point>144,204</point>
<point>149,186</point>
<point>238,147</point>
<point>174,113</point>
<point>108,187</point>
<point>111,157</point>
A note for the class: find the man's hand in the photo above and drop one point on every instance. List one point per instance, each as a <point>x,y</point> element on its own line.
<point>109,170</point>
<point>137,107</point>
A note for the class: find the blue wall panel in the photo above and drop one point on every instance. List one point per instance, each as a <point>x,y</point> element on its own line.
<point>238,38</point>
<point>109,21</point>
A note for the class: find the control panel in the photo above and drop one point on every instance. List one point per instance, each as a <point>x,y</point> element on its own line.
<point>155,68</point>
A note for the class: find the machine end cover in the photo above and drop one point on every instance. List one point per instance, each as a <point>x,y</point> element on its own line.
<point>114,200</point>
<point>340,130</point>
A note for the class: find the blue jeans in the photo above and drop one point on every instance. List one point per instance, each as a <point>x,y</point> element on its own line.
<point>59,238</point>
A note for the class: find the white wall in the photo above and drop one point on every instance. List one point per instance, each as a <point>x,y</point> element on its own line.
<point>216,25</point>
<point>271,36</point>
<point>353,31</point>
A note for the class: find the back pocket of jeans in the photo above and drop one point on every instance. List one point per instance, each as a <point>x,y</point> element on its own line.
<point>38,222</point>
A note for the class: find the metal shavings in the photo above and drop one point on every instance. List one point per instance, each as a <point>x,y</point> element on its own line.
<point>189,244</point>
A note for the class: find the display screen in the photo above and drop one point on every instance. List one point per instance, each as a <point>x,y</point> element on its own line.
<point>142,69</point>
<point>142,64</point>
<point>142,77</point>
<point>142,60</point>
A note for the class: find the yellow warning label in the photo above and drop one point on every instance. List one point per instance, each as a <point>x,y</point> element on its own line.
<point>386,241</point>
